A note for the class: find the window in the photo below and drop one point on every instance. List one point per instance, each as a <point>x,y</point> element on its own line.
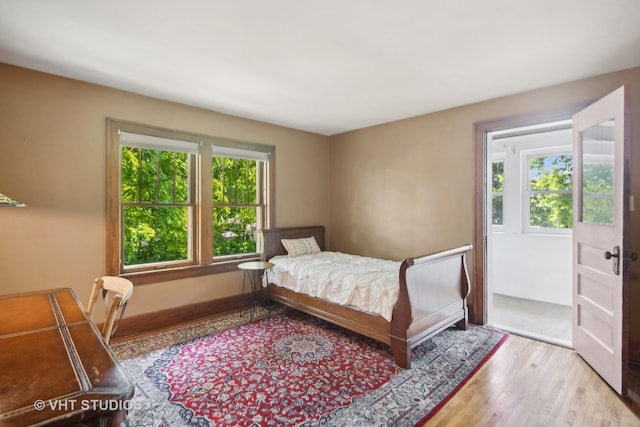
<point>157,198</point>
<point>550,196</point>
<point>181,204</point>
<point>530,184</point>
<point>238,199</point>
<point>497,192</point>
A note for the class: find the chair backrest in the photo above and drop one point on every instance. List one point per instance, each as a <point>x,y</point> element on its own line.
<point>116,292</point>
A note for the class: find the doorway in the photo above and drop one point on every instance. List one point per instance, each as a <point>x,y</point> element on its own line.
<point>478,301</point>
<point>528,230</point>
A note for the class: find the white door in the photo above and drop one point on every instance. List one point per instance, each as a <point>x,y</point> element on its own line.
<point>600,223</point>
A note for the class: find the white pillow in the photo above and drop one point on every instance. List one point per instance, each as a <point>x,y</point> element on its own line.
<point>295,247</point>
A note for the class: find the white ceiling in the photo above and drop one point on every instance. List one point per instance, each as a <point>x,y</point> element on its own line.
<point>324,66</point>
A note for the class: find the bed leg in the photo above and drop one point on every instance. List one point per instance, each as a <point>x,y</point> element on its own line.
<point>401,352</point>
<point>462,324</point>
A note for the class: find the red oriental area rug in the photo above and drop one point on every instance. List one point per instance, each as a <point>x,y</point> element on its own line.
<point>291,369</point>
<point>283,370</point>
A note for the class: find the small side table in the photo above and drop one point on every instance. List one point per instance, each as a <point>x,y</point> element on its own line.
<point>251,269</point>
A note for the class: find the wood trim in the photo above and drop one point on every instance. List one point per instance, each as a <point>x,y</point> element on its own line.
<point>634,350</point>
<point>113,199</point>
<point>148,322</point>
<point>370,325</point>
<point>150,277</point>
<point>204,224</point>
<point>476,300</point>
<point>477,306</point>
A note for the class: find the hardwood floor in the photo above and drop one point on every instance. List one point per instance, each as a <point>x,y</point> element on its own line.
<point>531,383</point>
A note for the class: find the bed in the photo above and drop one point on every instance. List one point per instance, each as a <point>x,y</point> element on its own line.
<point>431,296</point>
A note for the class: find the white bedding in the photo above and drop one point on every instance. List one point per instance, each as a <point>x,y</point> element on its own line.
<point>368,284</point>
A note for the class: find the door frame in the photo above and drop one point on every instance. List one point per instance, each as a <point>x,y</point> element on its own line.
<point>477,300</point>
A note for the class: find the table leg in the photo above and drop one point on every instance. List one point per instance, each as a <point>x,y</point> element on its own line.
<point>244,277</point>
<point>254,298</point>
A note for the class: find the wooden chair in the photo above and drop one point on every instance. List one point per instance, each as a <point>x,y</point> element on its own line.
<point>116,293</point>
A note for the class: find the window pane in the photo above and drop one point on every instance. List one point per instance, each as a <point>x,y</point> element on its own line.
<point>154,176</point>
<point>217,179</point>
<point>246,182</point>
<point>551,199</point>
<point>551,172</point>
<point>597,210</point>
<point>174,177</point>
<point>234,227</point>
<point>130,170</point>
<point>597,194</point>
<point>551,210</point>
<point>155,234</point>
<point>234,180</point>
<point>496,207</point>
<point>497,186</point>
<point>497,177</point>
<point>147,181</point>
<point>234,230</point>
<point>597,174</point>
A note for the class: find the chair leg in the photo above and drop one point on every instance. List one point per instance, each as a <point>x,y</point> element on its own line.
<point>110,319</point>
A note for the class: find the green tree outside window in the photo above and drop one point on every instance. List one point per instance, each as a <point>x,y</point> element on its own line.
<point>597,193</point>
<point>497,192</point>
<point>235,205</point>
<point>155,203</point>
<point>551,199</point>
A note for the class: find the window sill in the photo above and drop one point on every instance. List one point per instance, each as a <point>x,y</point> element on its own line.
<point>166,275</point>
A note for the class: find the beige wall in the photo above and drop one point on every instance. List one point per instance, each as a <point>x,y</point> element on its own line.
<point>407,188</point>
<point>52,157</point>
<point>400,189</point>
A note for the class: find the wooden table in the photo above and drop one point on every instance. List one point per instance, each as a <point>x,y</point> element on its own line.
<point>55,368</point>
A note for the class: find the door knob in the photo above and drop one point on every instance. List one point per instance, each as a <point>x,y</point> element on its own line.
<point>616,259</point>
<point>609,255</point>
<point>633,256</point>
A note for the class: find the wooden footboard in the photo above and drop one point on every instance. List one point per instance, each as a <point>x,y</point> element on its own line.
<point>433,296</point>
<point>433,291</point>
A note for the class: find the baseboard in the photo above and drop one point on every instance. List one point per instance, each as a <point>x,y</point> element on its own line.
<point>144,323</point>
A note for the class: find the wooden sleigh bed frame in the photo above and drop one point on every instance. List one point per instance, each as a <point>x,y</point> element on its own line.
<point>433,292</point>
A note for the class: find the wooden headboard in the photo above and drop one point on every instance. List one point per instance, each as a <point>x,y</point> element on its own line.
<point>272,236</point>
